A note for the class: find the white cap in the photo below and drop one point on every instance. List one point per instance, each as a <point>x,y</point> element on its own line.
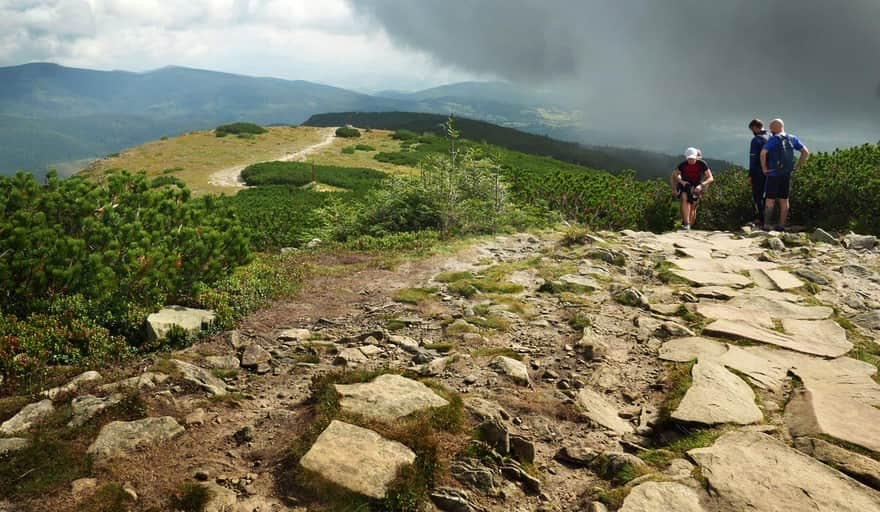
<point>691,153</point>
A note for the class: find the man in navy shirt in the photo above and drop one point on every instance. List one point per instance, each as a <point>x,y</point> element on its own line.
<point>756,174</point>
<point>777,162</point>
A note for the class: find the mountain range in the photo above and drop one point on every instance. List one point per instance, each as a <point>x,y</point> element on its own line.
<point>57,116</point>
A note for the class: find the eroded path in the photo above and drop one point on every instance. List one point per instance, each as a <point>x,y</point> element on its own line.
<point>231,176</point>
<point>686,371</point>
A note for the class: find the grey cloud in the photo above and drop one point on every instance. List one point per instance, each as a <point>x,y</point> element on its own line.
<point>660,69</point>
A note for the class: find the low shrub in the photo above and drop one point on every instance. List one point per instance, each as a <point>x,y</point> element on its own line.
<point>348,132</point>
<point>238,129</point>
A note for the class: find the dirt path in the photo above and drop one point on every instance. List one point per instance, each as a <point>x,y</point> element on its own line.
<point>230,177</point>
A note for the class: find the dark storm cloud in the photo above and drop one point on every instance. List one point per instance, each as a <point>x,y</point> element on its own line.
<point>668,65</point>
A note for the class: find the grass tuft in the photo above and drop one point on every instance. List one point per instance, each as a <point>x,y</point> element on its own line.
<point>414,295</point>
<point>191,497</point>
<point>108,498</point>
<point>679,380</point>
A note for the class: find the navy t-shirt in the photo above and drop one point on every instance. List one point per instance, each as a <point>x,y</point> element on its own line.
<point>774,148</point>
<point>758,142</point>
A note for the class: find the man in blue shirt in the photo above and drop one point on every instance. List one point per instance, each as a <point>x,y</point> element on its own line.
<point>777,162</point>
<point>756,173</point>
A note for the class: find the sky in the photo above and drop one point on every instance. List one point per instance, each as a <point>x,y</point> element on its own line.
<point>643,73</point>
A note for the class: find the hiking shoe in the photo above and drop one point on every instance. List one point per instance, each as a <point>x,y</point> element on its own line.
<point>781,229</point>
<point>686,227</point>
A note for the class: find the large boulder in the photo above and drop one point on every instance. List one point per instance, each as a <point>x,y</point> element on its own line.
<point>513,369</point>
<point>120,438</point>
<point>73,385</point>
<point>26,418</point>
<point>357,459</point>
<point>755,472</point>
<point>387,398</point>
<point>189,319</point>
<point>87,407</point>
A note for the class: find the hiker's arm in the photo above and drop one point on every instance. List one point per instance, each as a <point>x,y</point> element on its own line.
<point>708,181</point>
<point>676,178</point>
<point>805,153</point>
<point>764,161</point>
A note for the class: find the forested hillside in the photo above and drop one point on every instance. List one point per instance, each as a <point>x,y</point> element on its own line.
<point>647,164</point>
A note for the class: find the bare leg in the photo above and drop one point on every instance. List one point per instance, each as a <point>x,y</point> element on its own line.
<point>783,211</point>
<point>768,210</point>
<point>685,209</point>
<point>693,216</point>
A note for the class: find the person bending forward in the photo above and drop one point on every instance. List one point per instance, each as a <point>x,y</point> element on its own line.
<point>689,180</point>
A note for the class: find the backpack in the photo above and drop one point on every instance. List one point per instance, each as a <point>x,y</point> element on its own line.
<point>785,161</point>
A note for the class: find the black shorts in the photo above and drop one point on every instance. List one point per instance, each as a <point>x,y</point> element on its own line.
<point>777,187</point>
<point>687,188</point>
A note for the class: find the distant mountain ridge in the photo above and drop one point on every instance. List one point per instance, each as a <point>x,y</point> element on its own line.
<point>51,113</point>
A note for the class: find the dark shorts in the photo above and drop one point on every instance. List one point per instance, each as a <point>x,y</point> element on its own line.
<point>687,188</point>
<point>777,187</point>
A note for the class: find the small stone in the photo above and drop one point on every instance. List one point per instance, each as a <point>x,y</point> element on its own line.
<point>775,244</point>
<point>294,335</point>
<point>473,474</point>
<point>197,417</point>
<point>349,357</point>
<point>83,488</point>
<point>813,277</point>
<point>190,320</point>
<point>470,379</point>
<point>496,435</point>
<point>201,475</point>
<point>222,362</point>
<point>591,346</point>
<point>11,445</point>
<point>631,297</point>
<point>675,329</point>
<point>119,438</point>
<point>513,369</point>
<point>859,242</point>
<point>522,449</point>
<point>243,435</point>
<point>254,356</point>
<point>452,500</point>
<point>370,350</point>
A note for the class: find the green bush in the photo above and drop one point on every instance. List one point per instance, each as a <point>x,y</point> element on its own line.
<point>83,264</point>
<point>355,179</point>
<point>404,135</point>
<point>348,132</point>
<point>364,147</point>
<point>348,150</point>
<point>238,129</point>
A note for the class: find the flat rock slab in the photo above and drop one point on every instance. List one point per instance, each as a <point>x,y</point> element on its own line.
<point>698,264</point>
<point>601,412</point>
<point>717,292</point>
<point>782,280</point>
<point>764,372</point>
<point>780,307</point>
<point>742,330</point>
<point>662,497</point>
<point>87,407</point>
<point>388,397</point>
<point>189,319</point>
<point>580,281</point>
<point>819,332</point>
<point>713,278</point>
<point>200,377</point>
<point>860,467</point>
<point>144,380</point>
<point>819,410</point>
<point>755,472</point>
<point>726,312</point>
<point>120,438</point>
<point>294,335</point>
<point>27,417</point>
<point>357,459</point>
<point>717,396</point>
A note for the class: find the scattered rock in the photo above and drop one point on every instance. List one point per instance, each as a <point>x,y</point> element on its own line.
<point>870,320</point>
<point>453,500</point>
<point>496,435</point>
<point>610,464</point>
<point>676,329</point>
<point>11,445</point>
<point>351,356</point>
<point>631,297</point>
<point>388,397</point>
<point>254,356</point>
<point>713,278</point>
<point>222,362</point>
<point>753,471</point>
<point>813,277</point>
<point>522,449</point>
<point>436,367</point>
<point>120,438</point>
<point>662,497</point>
<point>577,455</point>
<point>820,235</point>
<point>83,488</point>
<point>73,385</point>
<point>576,281</point>
<point>295,335</point>
<point>601,412</point>
<point>591,346</point>
<point>195,418</point>
<point>243,435</point>
<point>144,380</point>
<point>859,242</point>
<point>200,377</point>
<point>190,320</point>
<point>472,473</point>
<point>87,407</point>
<point>717,396</point>
<point>357,459</point>
<point>775,244</point>
<point>513,369</point>
<point>26,418</point>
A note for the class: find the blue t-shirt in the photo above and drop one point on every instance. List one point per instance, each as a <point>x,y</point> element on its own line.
<point>758,142</point>
<point>774,147</point>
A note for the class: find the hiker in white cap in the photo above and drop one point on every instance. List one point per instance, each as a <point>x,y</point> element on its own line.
<point>689,180</point>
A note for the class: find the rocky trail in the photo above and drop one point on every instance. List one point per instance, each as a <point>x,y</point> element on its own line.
<point>231,176</point>
<point>689,371</point>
